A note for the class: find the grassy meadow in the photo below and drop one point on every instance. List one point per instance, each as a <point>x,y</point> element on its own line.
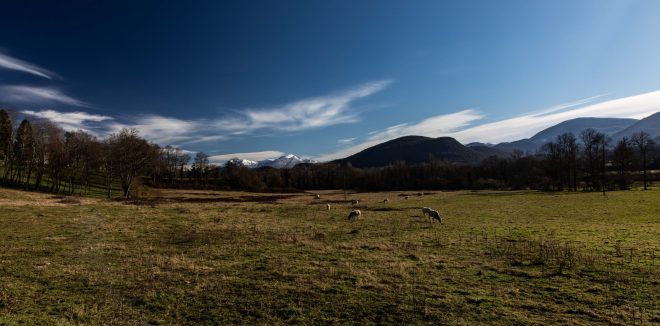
<point>184,257</point>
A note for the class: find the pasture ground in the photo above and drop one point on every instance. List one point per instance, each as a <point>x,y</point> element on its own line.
<point>228,257</point>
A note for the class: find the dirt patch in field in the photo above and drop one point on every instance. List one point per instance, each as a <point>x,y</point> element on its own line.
<point>489,193</point>
<point>324,202</point>
<point>21,198</point>
<point>24,202</point>
<point>237,199</point>
<point>141,202</point>
<point>416,194</point>
<point>200,193</point>
<point>71,200</point>
<point>337,201</point>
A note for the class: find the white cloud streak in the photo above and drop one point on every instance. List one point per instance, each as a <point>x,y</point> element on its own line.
<point>203,139</point>
<point>38,95</point>
<point>564,106</point>
<point>163,130</point>
<point>435,126</point>
<point>305,114</point>
<point>67,117</point>
<point>346,140</point>
<point>11,63</point>
<point>71,121</point>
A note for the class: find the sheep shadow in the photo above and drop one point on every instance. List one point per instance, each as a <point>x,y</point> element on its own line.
<point>421,219</point>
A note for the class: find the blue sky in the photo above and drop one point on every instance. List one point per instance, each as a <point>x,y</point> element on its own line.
<point>324,79</point>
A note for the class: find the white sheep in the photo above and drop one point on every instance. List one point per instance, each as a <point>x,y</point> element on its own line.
<point>386,200</point>
<point>318,196</point>
<point>354,215</point>
<point>355,202</point>
<point>434,215</point>
<point>327,206</point>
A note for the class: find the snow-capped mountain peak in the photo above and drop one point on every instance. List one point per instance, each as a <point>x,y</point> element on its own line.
<point>242,162</point>
<point>283,162</point>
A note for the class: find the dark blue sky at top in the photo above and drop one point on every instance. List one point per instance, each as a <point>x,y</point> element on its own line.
<point>210,59</point>
<point>198,56</point>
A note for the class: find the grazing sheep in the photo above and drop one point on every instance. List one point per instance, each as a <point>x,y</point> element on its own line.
<point>386,200</point>
<point>426,211</point>
<point>327,206</point>
<point>406,198</point>
<point>318,196</point>
<point>434,215</point>
<point>354,215</point>
<point>355,202</point>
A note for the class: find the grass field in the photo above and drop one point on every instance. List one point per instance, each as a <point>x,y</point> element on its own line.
<point>221,257</point>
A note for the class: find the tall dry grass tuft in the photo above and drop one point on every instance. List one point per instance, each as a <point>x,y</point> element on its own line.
<point>558,257</point>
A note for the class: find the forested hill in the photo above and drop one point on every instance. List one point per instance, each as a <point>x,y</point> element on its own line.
<point>414,150</point>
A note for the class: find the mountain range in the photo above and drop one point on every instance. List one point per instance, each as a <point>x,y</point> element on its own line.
<point>650,124</point>
<point>419,149</point>
<point>608,126</point>
<point>282,162</point>
<point>616,128</point>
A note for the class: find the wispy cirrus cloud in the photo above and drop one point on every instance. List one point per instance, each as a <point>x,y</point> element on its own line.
<point>252,156</point>
<point>346,140</point>
<point>72,121</point>
<point>163,130</point>
<point>203,139</point>
<point>566,106</point>
<point>156,128</point>
<point>38,95</point>
<point>11,63</point>
<point>435,126</point>
<point>460,125</point>
<point>304,114</point>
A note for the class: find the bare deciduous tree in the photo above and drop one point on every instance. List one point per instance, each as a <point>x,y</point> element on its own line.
<point>569,148</point>
<point>642,140</point>
<point>6,139</point>
<point>24,151</point>
<point>129,156</point>
<point>623,155</point>
<point>591,141</point>
<point>201,166</point>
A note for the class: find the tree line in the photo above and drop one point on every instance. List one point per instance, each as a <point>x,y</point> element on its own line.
<point>39,155</point>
